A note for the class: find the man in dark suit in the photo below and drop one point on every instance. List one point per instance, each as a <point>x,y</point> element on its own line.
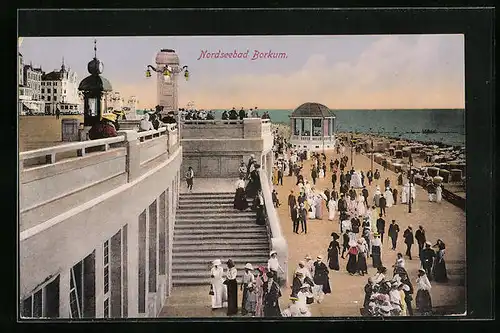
<point>420,237</point>
<point>408,236</point>
<point>292,201</point>
<point>314,175</point>
<point>303,218</point>
<point>295,218</point>
<point>364,192</point>
<point>393,233</point>
<point>382,204</point>
<point>334,179</point>
<point>427,258</point>
<point>342,179</point>
<point>381,227</point>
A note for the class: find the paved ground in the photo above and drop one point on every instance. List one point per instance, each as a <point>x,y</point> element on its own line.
<point>441,220</point>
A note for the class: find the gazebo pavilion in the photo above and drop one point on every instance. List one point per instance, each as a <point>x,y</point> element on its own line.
<point>312,127</point>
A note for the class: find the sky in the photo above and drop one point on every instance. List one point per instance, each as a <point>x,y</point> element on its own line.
<point>341,72</point>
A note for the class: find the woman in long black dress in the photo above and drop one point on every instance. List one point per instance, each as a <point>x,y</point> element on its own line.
<point>240,198</point>
<point>232,288</point>
<point>352,262</point>
<point>333,253</point>
<point>362,251</point>
<point>376,253</point>
<point>439,267</point>
<point>258,207</point>
<point>253,185</point>
<point>321,275</point>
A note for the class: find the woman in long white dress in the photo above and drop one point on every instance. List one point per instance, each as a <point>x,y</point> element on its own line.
<point>332,208</point>
<point>388,197</point>
<point>356,180</point>
<point>439,193</point>
<point>218,287</point>
<point>404,194</point>
<point>361,209</point>
<point>321,173</point>
<point>413,191</point>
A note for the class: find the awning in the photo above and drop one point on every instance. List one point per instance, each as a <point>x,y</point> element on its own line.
<point>30,107</point>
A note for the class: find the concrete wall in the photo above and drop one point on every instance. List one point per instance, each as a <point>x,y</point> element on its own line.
<point>119,189</point>
<point>214,149</point>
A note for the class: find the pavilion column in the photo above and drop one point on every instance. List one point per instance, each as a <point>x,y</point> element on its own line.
<point>310,129</point>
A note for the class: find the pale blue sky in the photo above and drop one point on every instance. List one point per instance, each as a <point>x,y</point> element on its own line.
<point>391,71</point>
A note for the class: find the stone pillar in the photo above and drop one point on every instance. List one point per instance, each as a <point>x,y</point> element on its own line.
<point>270,157</point>
<point>64,287</point>
<point>133,155</point>
<point>310,129</point>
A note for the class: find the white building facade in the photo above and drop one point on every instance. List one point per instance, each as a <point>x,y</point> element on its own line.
<point>29,94</point>
<point>59,90</point>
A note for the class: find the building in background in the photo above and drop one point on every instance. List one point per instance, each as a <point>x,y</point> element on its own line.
<point>114,101</point>
<point>59,89</point>
<point>131,108</point>
<point>29,83</point>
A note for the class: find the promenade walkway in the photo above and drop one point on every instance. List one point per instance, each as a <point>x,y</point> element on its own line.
<point>441,220</point>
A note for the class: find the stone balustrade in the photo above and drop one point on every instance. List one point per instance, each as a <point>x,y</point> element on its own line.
<point>278,241</point>
<point>215,148</point>
<point>55,179</point>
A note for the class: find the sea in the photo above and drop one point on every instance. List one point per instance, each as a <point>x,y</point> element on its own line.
<point>448,124</point>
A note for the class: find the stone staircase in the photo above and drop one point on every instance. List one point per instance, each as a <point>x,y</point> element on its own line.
<point>207,227</point>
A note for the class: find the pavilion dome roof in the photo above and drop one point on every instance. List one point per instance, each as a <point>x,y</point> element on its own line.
<point>312,110</point>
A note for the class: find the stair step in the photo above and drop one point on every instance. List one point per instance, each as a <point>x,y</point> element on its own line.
<point>220,236</point>
<point>221,226</point>
<point>221,254</point>
<point>200,194</point>
<point>206,205</point>
<point>217,241</point>
<point>215,200</point>
<point>219,247</point>
<point>202,274</point>
<point>205,267</point>
<point>258,230</point>
<point>213,215</point>
<point>238,219</point>
<point>195,281</point>
<point>207,262</point>
<point>212,210</point>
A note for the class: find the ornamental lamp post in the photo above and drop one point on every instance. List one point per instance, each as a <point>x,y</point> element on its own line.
<point>167,71</point>
<point>410,178</point>
<point>351,147</point>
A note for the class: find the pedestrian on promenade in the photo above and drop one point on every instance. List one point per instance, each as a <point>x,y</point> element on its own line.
<point>247,282</point>
<point>423,300</point>
<point>292,202</point>
<point>334,179</point>
<point>364,192</point>
<point>270,297</point>
<point>376,175</point>
<point>376,196</point>
<point>382,204</point>
<point>303,218</point>
<point>362,175</point>
<point>427,259</point>
<point>58,113</point>
<point>381,227</point>
<point>420,237</point>
<point>376,251</point>
<point>369,175</point>
<point>314,175</point>
<point>439,267</point>
<point>395,195</point>
<point>345,242</point>
<point>333,253</point>
<point>393,233</point>
<point>408,236</point>
<point>232,288</point>
<point>331,165</point>
<point>190,178</point>
<point>295,211</point>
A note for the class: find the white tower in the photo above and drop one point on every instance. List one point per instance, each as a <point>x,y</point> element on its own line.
<point>166,89</point>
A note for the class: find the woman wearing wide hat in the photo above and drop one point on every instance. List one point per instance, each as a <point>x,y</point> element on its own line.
<point>333,253</point>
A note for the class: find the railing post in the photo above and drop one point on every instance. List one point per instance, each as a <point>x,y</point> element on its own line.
<point>133,154</point>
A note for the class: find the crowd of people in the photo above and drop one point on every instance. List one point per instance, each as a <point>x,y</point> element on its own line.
<point>233,114</point>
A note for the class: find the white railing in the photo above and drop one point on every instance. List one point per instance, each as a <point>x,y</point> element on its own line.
<point>151,133</point>
<point>278,242</point>
<point>213,122</point>
<point>50,152</point>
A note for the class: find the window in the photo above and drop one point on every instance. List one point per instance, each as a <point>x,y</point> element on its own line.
<point>43,91</point>
<point>48,90</point>
<point>106,308</point>
<point>43,97</point>
<point>43,83</point>
<point>82,288</point>
<point>48,98</point>
<point>64,90</point>
<point>142,266</point>
<point>44,302</point>
<point>55,91</point>
<point>116,275</point>
<point>55,98</point>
